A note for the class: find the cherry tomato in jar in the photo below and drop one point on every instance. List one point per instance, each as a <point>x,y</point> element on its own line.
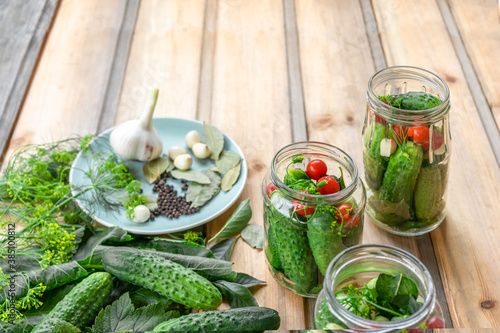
<point>301,209</point>
<point>399,133</point>
<point>435,322</point>
<point>316,169</point>
<point>270,188</point>
<point>421,134</point>
<point>347,213</point>
<point>331,186</point>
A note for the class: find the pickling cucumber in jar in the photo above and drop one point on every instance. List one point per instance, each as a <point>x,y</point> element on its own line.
<point>406,150</point>
<point>313,209</point>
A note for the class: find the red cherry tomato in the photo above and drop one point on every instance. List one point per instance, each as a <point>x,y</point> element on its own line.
<point>421,134</point>
<point>270,188</point>
<point>435,322</point>
<point>400,132</point>
<point>331,186</point>
<point>301,209</point>
<point>347,215</point>
<point>316,169</point>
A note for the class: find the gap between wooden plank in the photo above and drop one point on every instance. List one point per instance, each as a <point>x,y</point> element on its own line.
<point>482,105</point>
<point>424,242</point>
<point>205,86</point>
<point>118,69</point>
<point>25,74</point>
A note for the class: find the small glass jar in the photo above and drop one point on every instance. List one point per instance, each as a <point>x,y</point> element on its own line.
<point>407,148</point>
<point>360,264</point>
<point>304,232</point>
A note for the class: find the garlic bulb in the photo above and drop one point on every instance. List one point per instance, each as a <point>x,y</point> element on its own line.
<point>183,161</point>
<point>201,150</point>
<point>191,138</point>
<point>137,139</point>
<point>175,151</point>
<point>141,214</point>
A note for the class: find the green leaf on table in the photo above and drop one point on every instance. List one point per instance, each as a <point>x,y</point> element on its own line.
<point>94,238</point>
<point>199,194</point>
<point>22,264</point>
<point>247,280</point>
<point>224,248</point>
<point>121,315</point>
<point>253,234</point>
<point>230,178</point>
<point>214,139</point>
<point>191,175</point>
<point>236,222</point>
<point>143,297</point>
<point>61,326</point>
<point>153,169</point>
<point>171,245</point>
<point>237,296</point>
<point>227,161</point>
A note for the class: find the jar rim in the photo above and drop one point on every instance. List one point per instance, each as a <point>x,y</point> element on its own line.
<point>408,117</point>
<point>408,322</point>
<point>312,198</point>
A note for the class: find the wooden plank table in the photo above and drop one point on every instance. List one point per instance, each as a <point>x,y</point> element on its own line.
<point>268,73</point>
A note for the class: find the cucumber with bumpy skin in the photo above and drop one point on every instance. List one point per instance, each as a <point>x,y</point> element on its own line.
<point>271,251</point>
<point>80,306</point>
<point>375,164</point>
<point>400,178</point>
<point>165,277</point>
<point>255,319</point>
<point>414,100</point>
<point>428,193</point>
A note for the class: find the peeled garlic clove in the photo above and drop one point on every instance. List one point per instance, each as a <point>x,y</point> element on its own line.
<point>138,139</point>
<point>141,214</point>
<point>183,162</point>
<point>201,150</point>
<point>191,138</point>
<point>387,147</point>
<point>175,151</point>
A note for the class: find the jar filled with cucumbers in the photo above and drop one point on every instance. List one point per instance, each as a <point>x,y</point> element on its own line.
<point>377,288</point>
<point>407,146</point>
<point>314,203</point>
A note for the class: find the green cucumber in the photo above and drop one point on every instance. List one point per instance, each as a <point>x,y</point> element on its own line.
<point>325,244</point>
<point>374,163</point>
<point>80,306</point>
<point>255,319</point>
<point>271,250</point>
<point>428,193</point>
<point>400,179</point>
<point>165,277</point>
<point>171,246</point>
<point>415,100</point>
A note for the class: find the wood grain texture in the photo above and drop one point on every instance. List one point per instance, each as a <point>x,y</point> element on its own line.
<point>67,91</point>
<point>165,54</point>
<point>466,244</point>
<point>479,43</point>
<point>251,104</point>
<point>23,27</point>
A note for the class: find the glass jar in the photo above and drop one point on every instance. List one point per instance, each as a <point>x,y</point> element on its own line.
<point>357,266</point>
<point>407,148</point>
<point>304,231</point>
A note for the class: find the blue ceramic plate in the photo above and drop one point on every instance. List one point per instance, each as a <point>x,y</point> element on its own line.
<point>172,132</point>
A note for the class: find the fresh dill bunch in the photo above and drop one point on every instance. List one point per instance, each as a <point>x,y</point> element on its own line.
<point>194,236</point>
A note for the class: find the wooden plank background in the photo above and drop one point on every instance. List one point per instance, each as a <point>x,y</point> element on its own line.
<point>268,73</point>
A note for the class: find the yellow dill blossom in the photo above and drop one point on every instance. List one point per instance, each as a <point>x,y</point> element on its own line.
<point>193,236</point>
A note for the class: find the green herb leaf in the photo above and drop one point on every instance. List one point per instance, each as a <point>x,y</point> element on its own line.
<point>237,296</point>
<point>236,222</point>
<point>224,248</point>
<point>100,236</point>
<point>199,194</point>
<point>407,287</point>
<point>190,175</point>
<point>153,169</point>
<point>386,287</point>
<point>214,139</point>
<point>120,316</point>
<point>227,161</point>
<point>172,246</point>
<point>230,178</point>
<point>253,234</point>
<point>22,327</point>
<point>247,280</point>
<point>143,297</point>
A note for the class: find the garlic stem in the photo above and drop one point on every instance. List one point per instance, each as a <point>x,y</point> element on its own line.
<point>149,109</point>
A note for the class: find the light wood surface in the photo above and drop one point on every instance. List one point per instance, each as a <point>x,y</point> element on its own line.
<point>253,69</point>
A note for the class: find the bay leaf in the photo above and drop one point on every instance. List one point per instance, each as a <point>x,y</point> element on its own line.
<point>227,161</point>
<point>214,139</point>
<point>199,194</point>
<point>236,222</point>
<point>253,234</point>
<point>153,169</point>
<point>190,175</point>
<point>230,178</point>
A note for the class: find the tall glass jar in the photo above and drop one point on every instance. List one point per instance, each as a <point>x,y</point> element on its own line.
<point>407,148</point>
<point>304,231</point>
<point>359,265</point>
